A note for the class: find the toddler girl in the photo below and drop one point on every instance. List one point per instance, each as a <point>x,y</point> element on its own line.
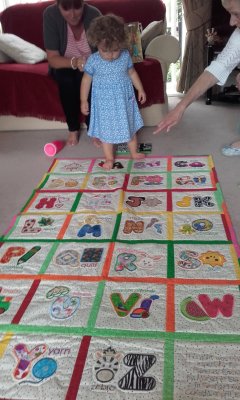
<point>115,116</point>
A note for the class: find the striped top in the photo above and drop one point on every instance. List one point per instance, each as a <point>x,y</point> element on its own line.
<point>77,48</point>
<point>227,60</point>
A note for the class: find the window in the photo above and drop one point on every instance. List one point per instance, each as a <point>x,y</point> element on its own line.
<point>175,27</point>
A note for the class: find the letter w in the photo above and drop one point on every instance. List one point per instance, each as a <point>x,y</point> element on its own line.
<point>216,306</point>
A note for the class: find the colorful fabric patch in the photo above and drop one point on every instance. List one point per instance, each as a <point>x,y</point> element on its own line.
<point>51,203</point>
<point>192,180</point>
<point>99,201</point>
<point>150,182</point>
<point>103,182</point>
<point>145,201</point>
<point>62,182</point>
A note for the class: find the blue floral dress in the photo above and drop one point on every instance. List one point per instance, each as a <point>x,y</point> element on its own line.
<point>114,115</point>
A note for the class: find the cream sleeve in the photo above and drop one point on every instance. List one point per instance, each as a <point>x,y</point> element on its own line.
<point>227,60</point>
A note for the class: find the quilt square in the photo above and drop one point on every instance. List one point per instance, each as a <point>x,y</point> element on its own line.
<point>60,304</point>
<point>145,201</point>
<point>23,257</point>
<point>206,261</point>
<point>123,369</point>
<point>206,370</point>
<point>143,227</point>
<point>106,181</point>
<point>71,166</point>
<point>207,309</point>
<point>150,164</point>
<point>62,182</point>
<point>146,181</point>
<point>199,227</point>
<point>197,201</point>
<point>193,180</point>
<point>133,307</point>
<point>120,165</point>
<point>36,367</point>
<point>37,226</point>
<point>91,226</point>
<point>78,259</point>
<point>51,203</point>
<point>106,201</point>
<point>139,260</point>
<point>189,163</point>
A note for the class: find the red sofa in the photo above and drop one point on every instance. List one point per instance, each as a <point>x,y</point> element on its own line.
<point>28,90</point>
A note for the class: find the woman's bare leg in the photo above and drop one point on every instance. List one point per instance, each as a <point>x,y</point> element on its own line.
<point>73,138</point>
<point>132,145</point>
<point>109,156</point>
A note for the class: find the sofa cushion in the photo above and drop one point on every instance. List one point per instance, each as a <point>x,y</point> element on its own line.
<point>32,14</point>
<point>20,50</point>
<point>154,29</point>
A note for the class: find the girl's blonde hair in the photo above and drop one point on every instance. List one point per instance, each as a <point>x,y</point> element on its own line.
<point>109,30</point>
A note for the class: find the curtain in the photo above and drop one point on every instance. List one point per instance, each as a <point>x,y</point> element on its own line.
<point>197,15</point>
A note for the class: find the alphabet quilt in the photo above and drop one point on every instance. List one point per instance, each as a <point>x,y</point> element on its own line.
<point>121,285</point>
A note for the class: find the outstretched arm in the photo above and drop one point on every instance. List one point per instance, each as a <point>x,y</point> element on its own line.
<point>202,84</point>
<point>137,84</point>
<point>84,93</point>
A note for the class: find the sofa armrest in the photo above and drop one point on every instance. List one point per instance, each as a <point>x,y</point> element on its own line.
<point>166,49</point>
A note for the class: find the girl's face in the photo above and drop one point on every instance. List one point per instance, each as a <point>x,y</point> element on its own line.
<point>233,7</point>
<point>72,15</point>
<point>109,55</point>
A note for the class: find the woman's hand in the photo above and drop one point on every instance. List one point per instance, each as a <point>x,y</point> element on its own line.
<point>171,119</point>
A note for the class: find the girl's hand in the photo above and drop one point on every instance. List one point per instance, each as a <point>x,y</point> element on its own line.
<point>238,81</point>
<point>141,96</point>
<point>84,107</point>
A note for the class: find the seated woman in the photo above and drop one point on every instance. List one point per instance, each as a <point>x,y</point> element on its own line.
<point>65,24</point>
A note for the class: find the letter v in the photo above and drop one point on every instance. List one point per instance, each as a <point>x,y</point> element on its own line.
<point>122,307</point>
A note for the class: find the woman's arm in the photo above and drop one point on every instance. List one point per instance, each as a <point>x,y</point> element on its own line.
<point>217,72</point>
<point>55,60</point>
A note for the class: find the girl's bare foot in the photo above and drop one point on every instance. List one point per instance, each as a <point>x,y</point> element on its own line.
<point>138,156</point>
<point>97,142</point>
<point>108,164</point>
<point>73,138</point>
